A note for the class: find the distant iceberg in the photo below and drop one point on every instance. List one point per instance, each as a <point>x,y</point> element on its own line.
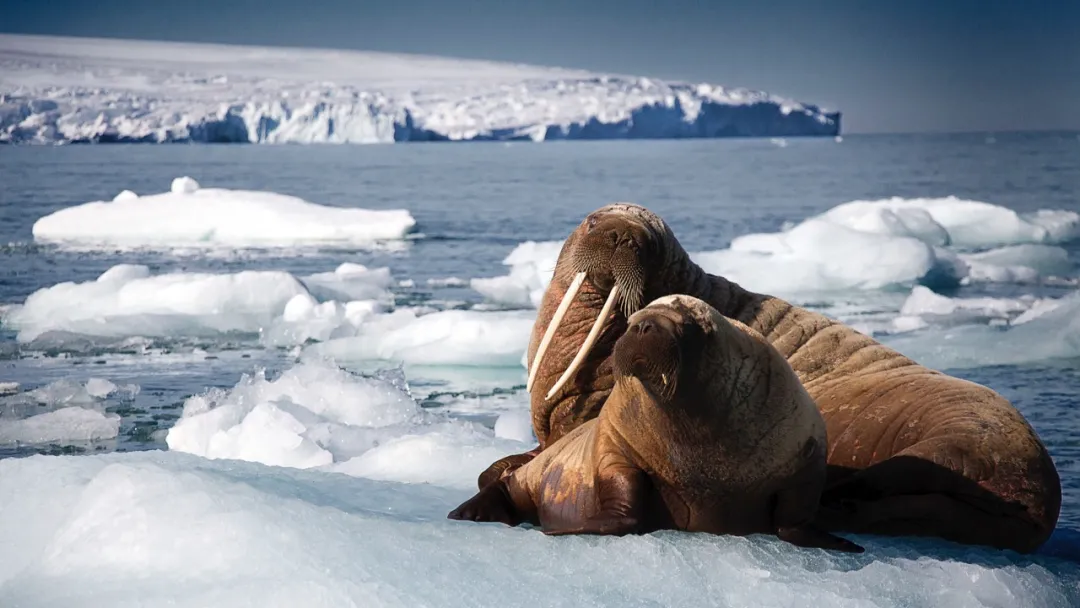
<point>84,90</point>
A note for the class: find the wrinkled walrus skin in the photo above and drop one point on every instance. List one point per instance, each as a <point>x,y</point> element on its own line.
<point>912,451</point>
<point>707,429</point>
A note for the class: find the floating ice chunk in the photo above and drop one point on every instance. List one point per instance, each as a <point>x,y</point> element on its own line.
<point>64,393</point>
<point>351,281</point>
<point>1018,264</point>
<point>817,255</point>
<point>60,412</point>
<point>127,301</point>
<point>300,419</point>
<point>447,282</point>
<point>876,217</point>
<point>164,528</point>
<point>213,217</point>
<point>448,337</point>
<point>1040,308</point>
<point>924,302</point>
<point>956,222</point>
<point>125,195</point>
<point>305,319</point>
<point>62,425</point>
<point>7,388</point>
<point>532,264</point>
<point>905,323</point>
<point>99,388</point>
<point>1050,330</point>
<point>184,185</point>
<point>317,415</point>
<point>515,424</point>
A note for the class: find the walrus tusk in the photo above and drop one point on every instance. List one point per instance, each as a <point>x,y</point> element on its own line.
<point>594,333</point>
<point>560,312</point>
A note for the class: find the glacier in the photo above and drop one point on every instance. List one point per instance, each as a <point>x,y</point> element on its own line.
<point>56,90</point>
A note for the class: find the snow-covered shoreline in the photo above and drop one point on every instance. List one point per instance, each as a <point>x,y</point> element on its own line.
<point>58,90</point>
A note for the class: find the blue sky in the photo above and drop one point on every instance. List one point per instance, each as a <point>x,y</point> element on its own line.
<point>889,65</point>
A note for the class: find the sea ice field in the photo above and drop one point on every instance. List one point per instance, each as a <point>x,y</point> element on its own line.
<point>262,375</point>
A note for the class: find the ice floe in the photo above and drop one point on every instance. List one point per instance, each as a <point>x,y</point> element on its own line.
<point>61,412</point>
<point>318,415</point>
<point>191,216</point>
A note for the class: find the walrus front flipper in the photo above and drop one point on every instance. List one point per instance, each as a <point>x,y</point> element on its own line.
<point>493,503</point>
<point>621,496</point>
<point>811,537</point>
<point>505,466</point>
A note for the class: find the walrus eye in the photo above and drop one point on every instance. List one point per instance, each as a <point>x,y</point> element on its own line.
<point>591,223</point>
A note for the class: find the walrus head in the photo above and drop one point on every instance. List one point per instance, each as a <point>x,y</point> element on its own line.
<point>663,344</point>
<point>620,249</point>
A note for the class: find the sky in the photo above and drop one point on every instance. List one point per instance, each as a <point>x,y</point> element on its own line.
<point>888,65</point>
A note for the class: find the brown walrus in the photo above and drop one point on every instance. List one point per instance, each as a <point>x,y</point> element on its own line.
<point>912,451</point>
<point>707,429</point>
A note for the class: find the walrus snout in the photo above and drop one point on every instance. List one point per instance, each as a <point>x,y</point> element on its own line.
<point>613,250</point>
<point>650,350</point>
<point>653,323</point>
<point>616,250</point>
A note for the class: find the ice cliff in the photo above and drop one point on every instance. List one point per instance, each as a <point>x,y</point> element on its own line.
<point>84,90</point>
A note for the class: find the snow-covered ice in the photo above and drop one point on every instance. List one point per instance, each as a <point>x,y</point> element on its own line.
<point>127,301</point>
<point>56,90</point>
<point>896,241</point>
<point>955,221</point>
<point>327,488</point>
<point>318,415</point>
<point>168,528</point>
<point>279,308</point>
<point>189,215</point>
<point>446,338</point>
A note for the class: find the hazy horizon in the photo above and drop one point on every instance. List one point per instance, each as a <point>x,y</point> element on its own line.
<point>917,67</point>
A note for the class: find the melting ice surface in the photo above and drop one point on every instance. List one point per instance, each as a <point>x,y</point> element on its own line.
<point>327,481</point>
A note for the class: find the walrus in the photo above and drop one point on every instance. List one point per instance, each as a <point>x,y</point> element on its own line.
<point>707,429</point>
<point>911,451</point>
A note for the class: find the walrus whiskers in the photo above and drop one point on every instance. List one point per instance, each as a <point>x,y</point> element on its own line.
<point>590,340</point>
<point>564,305</point>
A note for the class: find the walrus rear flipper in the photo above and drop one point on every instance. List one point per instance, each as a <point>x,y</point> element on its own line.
<point>937,489</point>
<point>811,537</point>
<point>493,503</point>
